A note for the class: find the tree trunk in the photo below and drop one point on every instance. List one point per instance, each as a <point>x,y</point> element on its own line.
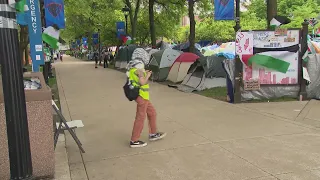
<point>192,35</point>
<point>26,56</point>
<point>271,10</point>
<point>133,15</point>
<point>23,41</point>
<point>151,23</point>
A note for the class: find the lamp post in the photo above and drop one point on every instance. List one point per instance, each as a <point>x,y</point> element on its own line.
<point>126,11</point>
<point>99,41</point>
<point>238,64</point>
<point>14,96</point>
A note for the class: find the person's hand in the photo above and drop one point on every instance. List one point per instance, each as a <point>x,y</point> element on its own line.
<point>148,72</point>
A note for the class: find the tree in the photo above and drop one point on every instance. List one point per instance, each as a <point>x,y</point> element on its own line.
<point>133,14</point>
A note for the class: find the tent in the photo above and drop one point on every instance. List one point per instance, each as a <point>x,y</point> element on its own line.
<point>185,48</point>
<point>161,62</point>
<point>180,67</point>
<point>205,73</point>
<point>124,56</point>
<point>162,45</point>
<point>151,51</point>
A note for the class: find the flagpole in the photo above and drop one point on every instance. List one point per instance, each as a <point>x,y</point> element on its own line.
<point>14,97</point>
<point>238,64</point>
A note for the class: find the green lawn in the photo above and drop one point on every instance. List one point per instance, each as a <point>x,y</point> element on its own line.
<point>220,93</point>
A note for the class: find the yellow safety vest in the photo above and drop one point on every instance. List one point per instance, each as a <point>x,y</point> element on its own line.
<point>134,79</point>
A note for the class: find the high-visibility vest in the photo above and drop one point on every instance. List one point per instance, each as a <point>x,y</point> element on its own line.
<point>134,79</point>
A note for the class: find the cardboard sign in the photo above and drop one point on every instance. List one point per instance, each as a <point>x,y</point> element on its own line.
<point>281,32</point>
<point>251,85</point>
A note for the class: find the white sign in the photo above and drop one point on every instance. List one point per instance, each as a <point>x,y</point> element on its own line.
<point>38,48</point>
<point>267,40</point>
<point>38,57</point>
<point>244,43</point>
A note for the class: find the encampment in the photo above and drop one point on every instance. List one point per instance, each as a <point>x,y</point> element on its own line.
<point>161,62</point>
<point>205,73</point>
<point>180,67</point>
<point>124,56</point>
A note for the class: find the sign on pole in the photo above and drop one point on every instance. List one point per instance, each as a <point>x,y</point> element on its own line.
<point>35,32</point>
<point>120,29</point>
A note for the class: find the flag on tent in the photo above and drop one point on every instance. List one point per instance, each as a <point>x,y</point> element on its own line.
<point>19,5</point>
<point>223,9</point>
<point>278,21</point>
<point>54,13</point>
<point>126,40</point>
<point>51,36</point>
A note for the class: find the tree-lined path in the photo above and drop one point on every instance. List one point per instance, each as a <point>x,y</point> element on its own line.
<point>207,139</point>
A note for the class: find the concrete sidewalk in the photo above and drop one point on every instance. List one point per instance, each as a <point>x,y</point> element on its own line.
<point>207,139</point>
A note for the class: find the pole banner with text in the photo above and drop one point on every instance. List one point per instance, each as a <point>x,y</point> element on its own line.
<point>35,34</point>
<point>120,29</point>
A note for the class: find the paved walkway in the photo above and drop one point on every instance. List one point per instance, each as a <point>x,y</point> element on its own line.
<point>207,139</point>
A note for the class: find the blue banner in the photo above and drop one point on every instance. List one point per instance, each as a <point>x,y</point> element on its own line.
<point>95,35</point>
<point>120,29</point>
<point>22,18</point>
<point>78,42</point>
<point>224,9</point>
<point>54,13</point>
<point>35,32</point>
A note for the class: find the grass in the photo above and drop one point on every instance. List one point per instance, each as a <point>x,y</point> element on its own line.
<point>220,93</point>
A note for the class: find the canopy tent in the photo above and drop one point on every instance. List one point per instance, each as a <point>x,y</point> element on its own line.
<point>180,67</point>
<point>205,73</point>
<point>124,56</point>
<point>161,63</point>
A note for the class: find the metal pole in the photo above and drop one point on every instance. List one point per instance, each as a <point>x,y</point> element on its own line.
<point>304,48</point>
<point>238,64</point>
<point>14,97</point>
<point>126,16</point>
<point>99,45</point>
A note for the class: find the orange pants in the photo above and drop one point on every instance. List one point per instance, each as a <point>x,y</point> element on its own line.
<point>144,108</point>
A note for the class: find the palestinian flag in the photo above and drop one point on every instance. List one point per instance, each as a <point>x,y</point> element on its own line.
<point>19,5</point>
<point>51,35</point>
<point>278,21</point>
<point>271,58</point>
<point>126,40</point>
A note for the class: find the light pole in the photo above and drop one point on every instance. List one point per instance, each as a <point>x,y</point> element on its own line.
<point>99,41</point>
<point>14,96</point>
<point>238,64</point>
<point>126,11</point>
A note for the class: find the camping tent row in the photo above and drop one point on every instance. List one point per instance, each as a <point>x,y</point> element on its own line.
<point>195,73</point>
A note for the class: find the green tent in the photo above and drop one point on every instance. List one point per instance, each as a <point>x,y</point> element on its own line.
<point>161,63</point>
<point>124,55</point>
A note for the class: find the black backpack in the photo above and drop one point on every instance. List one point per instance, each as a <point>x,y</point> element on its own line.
<point>131,92</point>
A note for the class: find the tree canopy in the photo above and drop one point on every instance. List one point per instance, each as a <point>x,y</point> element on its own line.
<point>85,17</point>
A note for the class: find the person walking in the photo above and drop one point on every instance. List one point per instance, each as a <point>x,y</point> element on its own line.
<point>139,77</point>
<point>95,56</point>
<point>106,58</point>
